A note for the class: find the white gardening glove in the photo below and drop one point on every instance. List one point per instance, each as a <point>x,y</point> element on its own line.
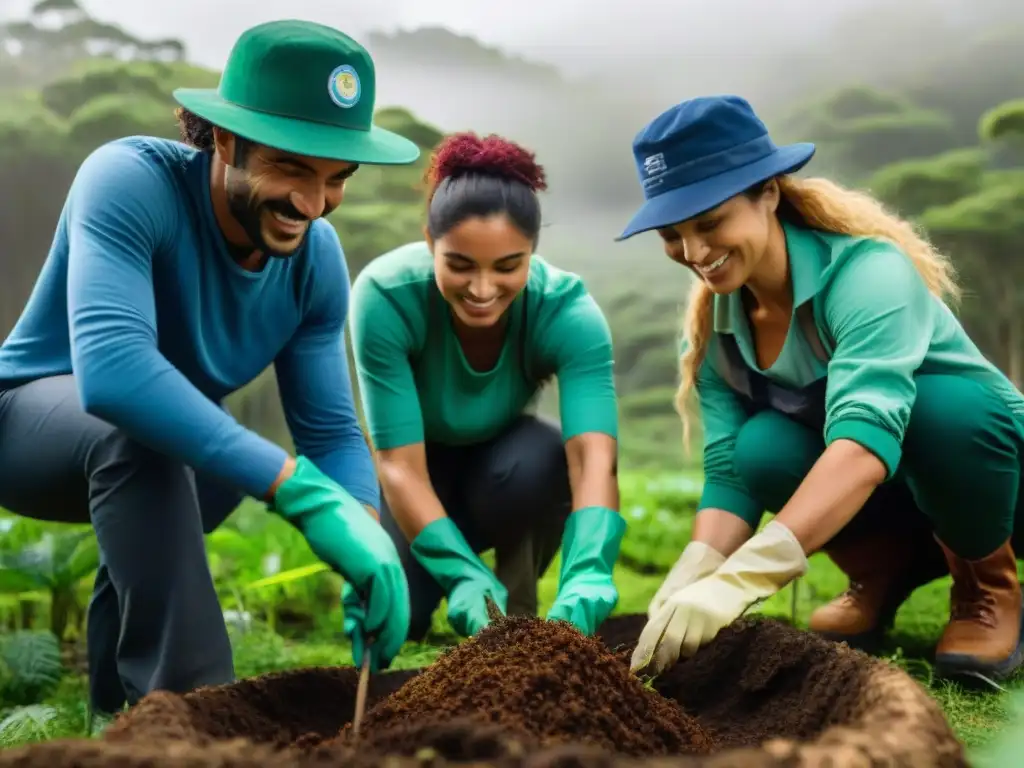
<point>695,614</point>
<point>696,562</point>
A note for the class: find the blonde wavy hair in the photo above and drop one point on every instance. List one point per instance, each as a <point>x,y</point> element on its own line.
<point>823,205</point>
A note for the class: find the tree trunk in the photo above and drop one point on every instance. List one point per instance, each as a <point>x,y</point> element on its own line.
<point>61,605</point>
<point>27,614</point>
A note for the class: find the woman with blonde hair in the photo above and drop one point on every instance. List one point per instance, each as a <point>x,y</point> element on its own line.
<point>836,389</point>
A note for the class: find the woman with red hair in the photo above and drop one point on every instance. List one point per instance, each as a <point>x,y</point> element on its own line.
<point>453,337</point>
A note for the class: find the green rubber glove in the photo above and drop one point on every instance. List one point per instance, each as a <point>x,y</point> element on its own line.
<point>343,535</point>
<point>354,625</point>
<point>443,551</point>
<point>590,547</point>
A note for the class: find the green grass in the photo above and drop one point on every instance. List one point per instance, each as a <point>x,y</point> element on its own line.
<point>976,717</point>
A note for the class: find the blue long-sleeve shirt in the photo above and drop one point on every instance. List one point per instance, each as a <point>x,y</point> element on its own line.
<point>140,299</point>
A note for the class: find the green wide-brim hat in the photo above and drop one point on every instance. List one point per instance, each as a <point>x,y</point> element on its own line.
<point>303,88</point>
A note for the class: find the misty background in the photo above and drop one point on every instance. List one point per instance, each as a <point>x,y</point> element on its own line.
<point>575,80</point>
<point>876,85</point>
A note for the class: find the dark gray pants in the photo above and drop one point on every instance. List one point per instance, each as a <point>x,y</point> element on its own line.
<point>511,494</point>
<point>154,621</point>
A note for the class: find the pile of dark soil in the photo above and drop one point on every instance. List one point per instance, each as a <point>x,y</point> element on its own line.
<point>545,683</point>
<point>532,694</point>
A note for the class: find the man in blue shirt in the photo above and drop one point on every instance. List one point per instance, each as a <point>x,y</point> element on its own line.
<point>179,272</point>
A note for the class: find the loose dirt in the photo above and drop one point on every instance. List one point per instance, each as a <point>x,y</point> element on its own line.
<point>527,693</point>
<point>542,681</point>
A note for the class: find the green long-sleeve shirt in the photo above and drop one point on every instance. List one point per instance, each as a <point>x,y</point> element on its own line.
<point>417,385</point>
<point>881,326</point>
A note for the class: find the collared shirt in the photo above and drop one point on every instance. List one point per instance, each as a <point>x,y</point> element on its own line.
<point>882,327</point>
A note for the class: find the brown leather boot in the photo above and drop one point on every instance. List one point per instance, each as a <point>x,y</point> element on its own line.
<point>983,637</point>
<point>884,570</point>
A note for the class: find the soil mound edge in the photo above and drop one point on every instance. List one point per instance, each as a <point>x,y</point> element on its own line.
<point>763,694</point>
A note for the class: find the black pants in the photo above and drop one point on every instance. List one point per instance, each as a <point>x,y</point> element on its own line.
<point>511,494</point>
<point>154,621</point>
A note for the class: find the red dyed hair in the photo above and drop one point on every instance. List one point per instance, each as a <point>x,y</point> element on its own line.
<point>463,153</point>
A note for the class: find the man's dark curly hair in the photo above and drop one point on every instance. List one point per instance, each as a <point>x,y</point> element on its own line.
<point>198,132</point>
<point>195,131</point>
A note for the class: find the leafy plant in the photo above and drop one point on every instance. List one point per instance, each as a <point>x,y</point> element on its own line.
<point>659,512</point>
<point>30,666</point>
<point>26,725</point>
<point>55,565</point>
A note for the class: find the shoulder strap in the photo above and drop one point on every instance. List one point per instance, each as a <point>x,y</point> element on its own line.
<point>730,366</point>
<point>805,316</point>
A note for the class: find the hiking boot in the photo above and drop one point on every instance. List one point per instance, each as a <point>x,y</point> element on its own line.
<point>883,570</point>
<point>982,640</point>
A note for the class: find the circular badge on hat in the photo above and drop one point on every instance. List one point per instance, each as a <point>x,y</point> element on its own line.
<point>344,86</point>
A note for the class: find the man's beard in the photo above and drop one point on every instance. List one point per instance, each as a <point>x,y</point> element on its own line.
<point>249,212</point>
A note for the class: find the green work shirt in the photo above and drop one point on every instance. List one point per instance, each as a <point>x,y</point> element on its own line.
<point>881,326</point>
<point>417,385</point>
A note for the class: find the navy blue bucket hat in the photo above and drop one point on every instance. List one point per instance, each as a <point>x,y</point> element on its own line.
<point>698,154</point>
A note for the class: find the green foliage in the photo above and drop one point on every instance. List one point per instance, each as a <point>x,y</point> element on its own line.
<point>30,667</point>
<point>103,79</point>
<point>259,650</point>
<point>861,129</point>
<point>59,558</point>
<point>45,49</point>
<point>876,140</point>
<point>914,186</point>
<point>29,724</point>
<point>656,401</point>
<point>402,122</point>
<point>45,564</point>
<point>659,518</point>
<point>818,116</point>
<point>860,101</point>
<point>98,100</point>
<point>991,219</point>
<point>384,206</point>
<point>129,76</point>
<point>29,130</point>
<point>655,444</point>
<point>644,330</point>
<point>370,229</point>
<point>113,116</point>
<point>1004,121</point>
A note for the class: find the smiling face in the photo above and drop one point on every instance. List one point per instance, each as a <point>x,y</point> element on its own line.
<point>726,245</point>
<point>275,196</point>
<point>481,265</point>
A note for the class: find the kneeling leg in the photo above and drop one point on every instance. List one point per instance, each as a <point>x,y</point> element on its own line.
<point>962,453</point>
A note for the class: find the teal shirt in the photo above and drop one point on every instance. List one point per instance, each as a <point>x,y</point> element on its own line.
<point>417,385</point>
<point>881,326</point>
